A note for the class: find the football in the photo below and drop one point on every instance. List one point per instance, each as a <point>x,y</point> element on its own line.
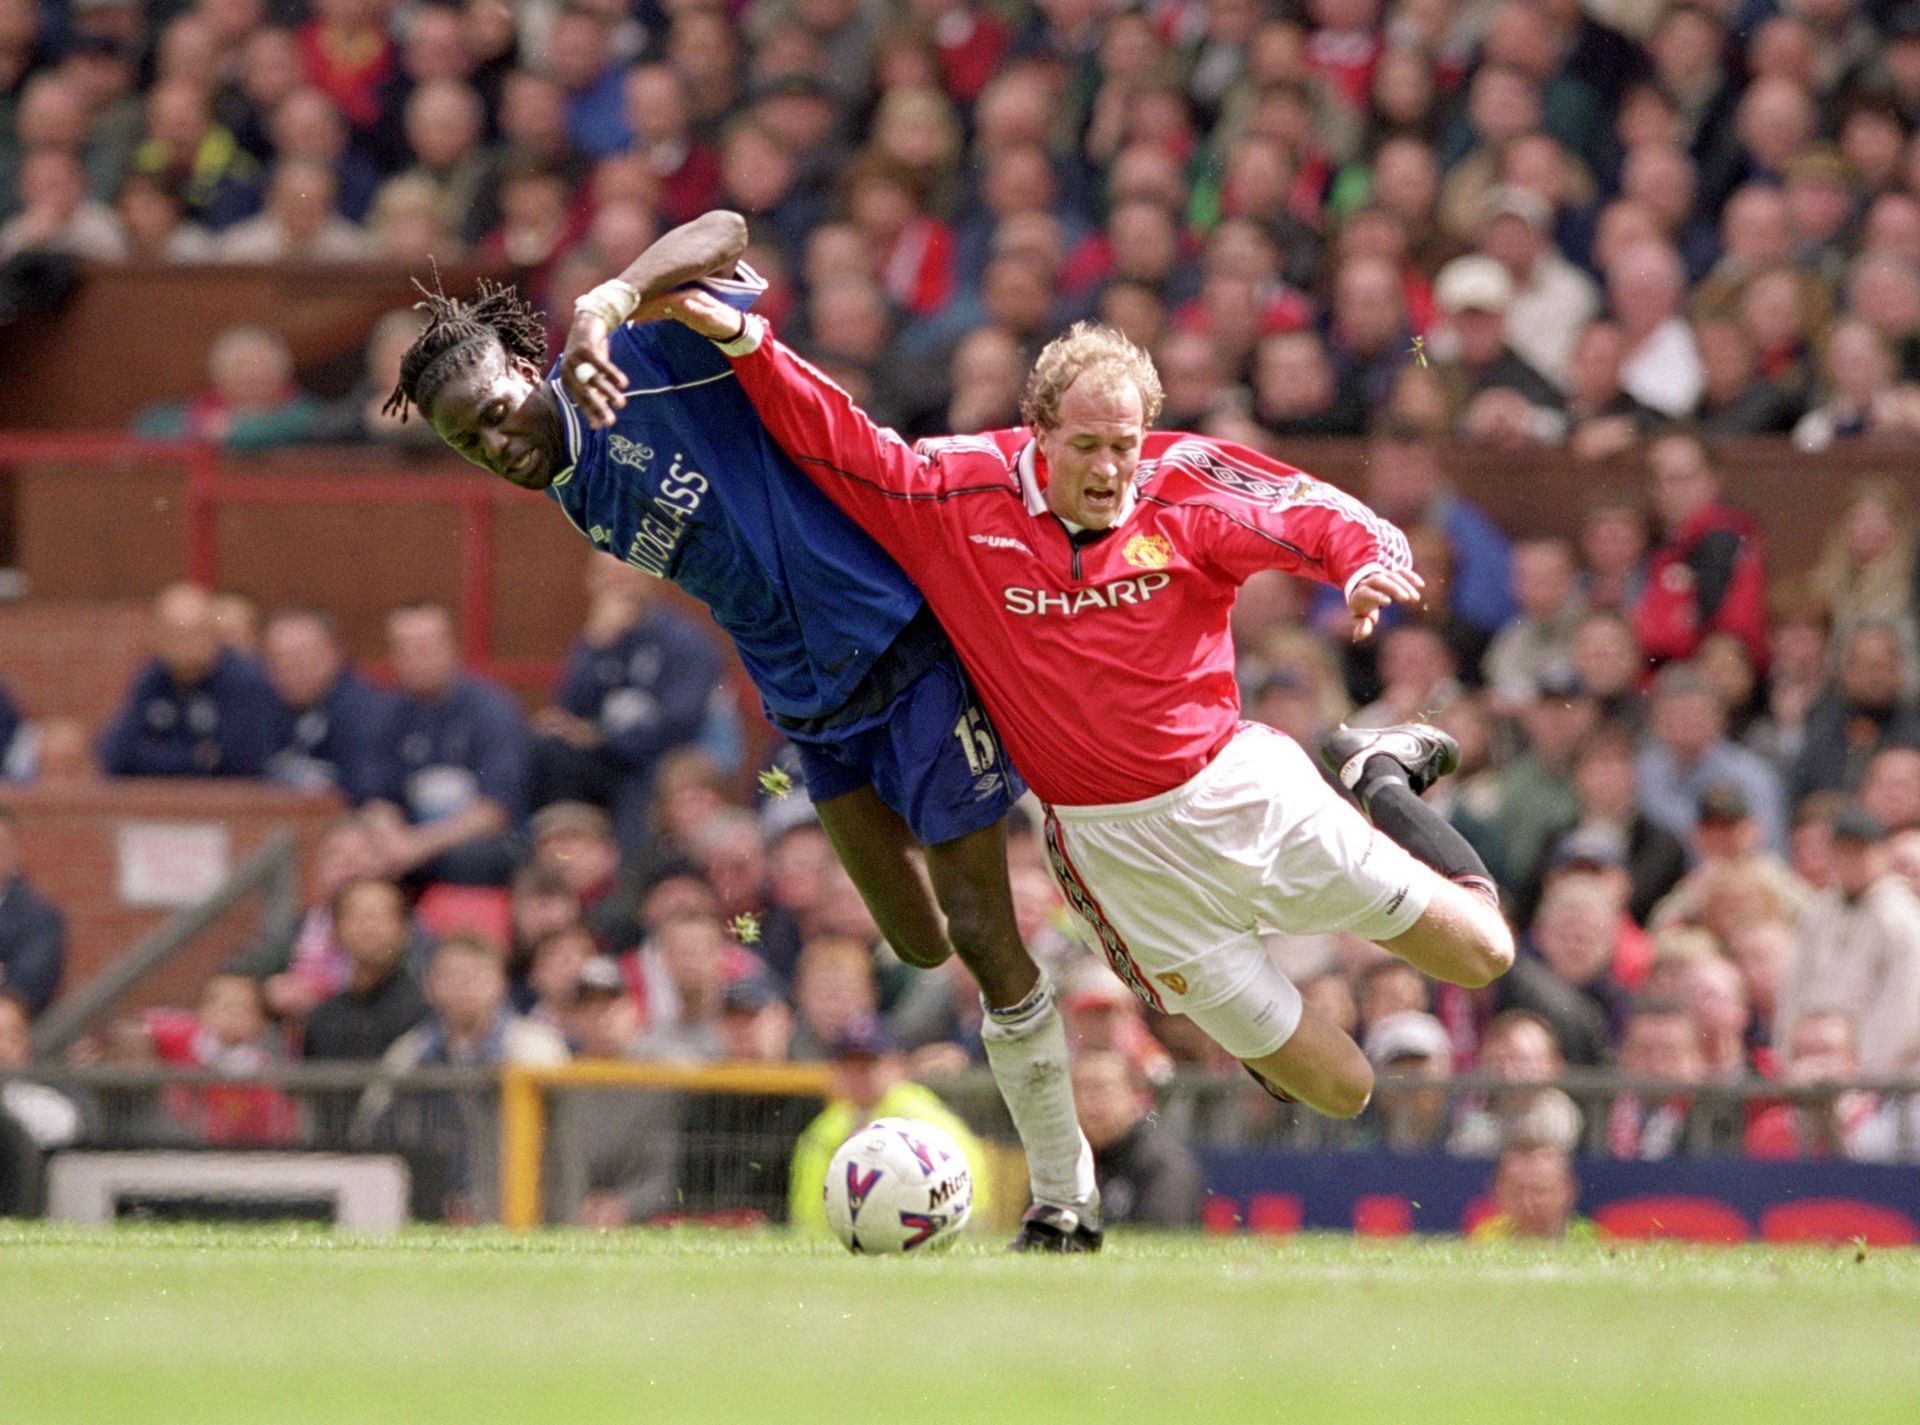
<point>898,1185</point>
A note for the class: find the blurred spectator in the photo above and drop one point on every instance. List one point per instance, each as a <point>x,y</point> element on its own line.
<point>1661,368</point>
<point>618,1150</point>
<point>1147,1177</point>
<point>153,223</point>
<point>1406,1117</point>
<point>33,933</point>
<point>56,213</point>
<point>381,999</point>
<point>638,684</point>
<point>685,963</point>
<point>361,414</point>
<point>199,158</point>
<point>1553,301</point>
<point>451,1136</point>
<point>1866,570</point>
<point>1867,707</point>
<point>1846,1123</point>
<point>42,1116</point>
<point>1103,1015</point>
<point>1534,1196</point>
<point>1518,1049</point>
<point>1715,994</point>
<point>869,1081</point>
<point>555,977</point>
<point>1709,573</point>
<point>1864,395</point>
<point>1890,791</point>
<point>1659,1044</point>
<point>1404,485</point>
<point>299,224</point>
<point>1539,640</point>
<point>1602,419</point>
<point>345,51</point>
<point>1296,392</point>
<point>1796,672</point>
<point>228,1035</point>
<point>1537,791</point>
<point>1688,752</point>
<point>1613,551</point>
<point>1736,874</point>
<point>1612,830</point>
<point>659,115</point>
<point>198,709</point>
<point>1859,952</point>
<point>453,751</point>
<point>1566,980</point>
<point>252,401</point>
<point>327,715</point>
<point>755,1021</point>
<point>833,989</point>
<point>1473,294</point>
<point>306,964</point>
<point>574,842</point>
<point>540,904</point>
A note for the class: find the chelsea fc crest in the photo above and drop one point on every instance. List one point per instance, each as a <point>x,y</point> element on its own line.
<point>1148,551</point>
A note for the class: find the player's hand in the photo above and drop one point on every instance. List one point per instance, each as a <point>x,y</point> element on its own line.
<point>698,310</point>
<point>587,371</point>
<point>1379,589</point>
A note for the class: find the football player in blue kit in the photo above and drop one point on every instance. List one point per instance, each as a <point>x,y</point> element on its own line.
<point>650,448</point>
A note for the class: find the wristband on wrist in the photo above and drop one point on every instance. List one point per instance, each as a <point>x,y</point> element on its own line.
<point>746,340</point>
<point>612,301</point>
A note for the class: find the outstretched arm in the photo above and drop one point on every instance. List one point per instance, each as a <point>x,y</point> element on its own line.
<point>890,489</point>
<point>710,243</point>
<point>1271,516</point>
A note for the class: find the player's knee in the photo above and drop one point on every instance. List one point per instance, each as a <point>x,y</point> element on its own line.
<point>1350,1093</point>
<point>979,936</point>
<point>1491,951</point>
<point>923,953</point>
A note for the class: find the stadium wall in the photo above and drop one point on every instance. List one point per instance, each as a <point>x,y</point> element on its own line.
<point>1720,1200</point>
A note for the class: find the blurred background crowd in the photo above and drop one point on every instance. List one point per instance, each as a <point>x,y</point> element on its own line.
<point>1603,231</point>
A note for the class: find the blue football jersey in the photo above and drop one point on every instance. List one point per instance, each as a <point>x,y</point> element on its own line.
<point>687,486</point>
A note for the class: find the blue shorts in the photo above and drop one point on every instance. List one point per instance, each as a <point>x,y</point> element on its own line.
<point>932,756</point>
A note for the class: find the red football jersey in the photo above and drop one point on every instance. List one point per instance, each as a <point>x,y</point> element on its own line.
<point>1106,663</point>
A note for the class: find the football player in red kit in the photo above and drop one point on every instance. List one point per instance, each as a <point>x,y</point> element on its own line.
<point>1084,567</point>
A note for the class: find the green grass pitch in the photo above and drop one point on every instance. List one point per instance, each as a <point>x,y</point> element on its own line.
<point>288,1326</point>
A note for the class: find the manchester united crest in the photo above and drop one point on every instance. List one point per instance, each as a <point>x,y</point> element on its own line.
<point>1147,551</point>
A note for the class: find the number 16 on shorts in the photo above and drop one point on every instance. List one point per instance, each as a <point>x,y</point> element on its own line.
<point>982,750</point>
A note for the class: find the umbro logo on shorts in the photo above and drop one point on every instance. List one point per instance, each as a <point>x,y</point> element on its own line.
<point>1398,896</point>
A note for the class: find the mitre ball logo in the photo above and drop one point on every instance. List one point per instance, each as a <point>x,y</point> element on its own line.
<point>1148,551</point>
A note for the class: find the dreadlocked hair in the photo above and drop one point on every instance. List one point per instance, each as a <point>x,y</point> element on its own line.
<point>459,333</point>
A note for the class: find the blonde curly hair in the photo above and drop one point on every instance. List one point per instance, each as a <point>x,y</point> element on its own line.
<point>1088,349</point>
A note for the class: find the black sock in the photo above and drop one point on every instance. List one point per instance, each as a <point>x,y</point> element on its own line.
<point>1428,836</point>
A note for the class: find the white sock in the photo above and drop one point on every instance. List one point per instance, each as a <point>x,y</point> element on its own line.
<point>1026,1047</point>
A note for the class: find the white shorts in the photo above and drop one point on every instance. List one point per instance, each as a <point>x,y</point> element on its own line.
<point>1178,889</point>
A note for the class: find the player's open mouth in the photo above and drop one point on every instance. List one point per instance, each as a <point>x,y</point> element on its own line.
<point>525,463</point>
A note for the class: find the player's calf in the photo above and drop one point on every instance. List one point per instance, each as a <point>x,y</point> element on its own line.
<point>1318,1066</point>
<point>1460,938</point>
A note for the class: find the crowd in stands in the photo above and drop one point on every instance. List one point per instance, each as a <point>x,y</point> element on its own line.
<point>1526,222</point>
<point>1523,222</point>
